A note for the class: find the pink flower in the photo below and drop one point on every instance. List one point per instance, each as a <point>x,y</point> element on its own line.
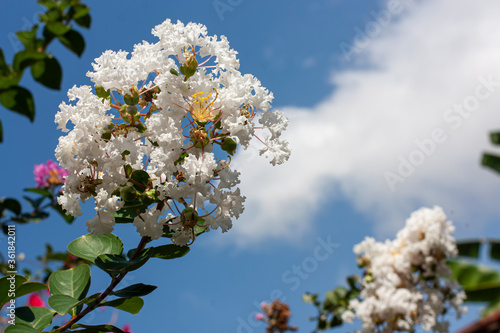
<point>35,300</point>
<point>127,328</point>
<point>49,174</point>
<point>259,316</point>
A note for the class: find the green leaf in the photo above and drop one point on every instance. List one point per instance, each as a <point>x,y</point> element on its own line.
<point>495,250</point>
<point>491,161</point>
<point>1,132</point>
<point>480,283</point>
<point>111,263</point>
<point>138,289</point>
<point>74,41</point>
<point>42,191</point>
<point>84,21</point>
<point>23,59</point>
<point>62,303</point>
<point>4,68</point>
<point>34,316</point>
<point>170,251</point>
<point>11,204</point>
<point>140,177</point>
<point>92,246</point>
<point>57,28</point>
<point>35,203</point>
<point>101,93</point>
<point>19,100</point>
<point>73,282</point>
<point>132,305</point>
<point>6,292</point>
<point>48,3</point>
<point>30,287</point>
<point>28,38</point>
<point>495,138</point>
<point>20,328</point>
<point>78,10</point>
<point>98,328</point>
<point>469,249</point>
<point>128,212</point>
<point>309,298</point>
<point>48,72</point>
<point>34,216</point>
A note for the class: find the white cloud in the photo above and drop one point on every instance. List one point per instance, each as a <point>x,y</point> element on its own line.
<point>413,73</point>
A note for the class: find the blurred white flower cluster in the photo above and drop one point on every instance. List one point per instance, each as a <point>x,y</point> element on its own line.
<point>407,281</point>
<point>147,144</point>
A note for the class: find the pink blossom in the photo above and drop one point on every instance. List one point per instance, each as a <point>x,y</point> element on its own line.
<point>49,174</point>
<point>259,316</point>
<point>35,300</point>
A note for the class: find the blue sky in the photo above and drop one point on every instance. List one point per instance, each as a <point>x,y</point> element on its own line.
<point>385,117</point>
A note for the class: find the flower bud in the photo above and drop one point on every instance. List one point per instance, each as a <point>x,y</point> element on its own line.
<point>128,193</point>
<point>189,217</point>
<point>229,145</point>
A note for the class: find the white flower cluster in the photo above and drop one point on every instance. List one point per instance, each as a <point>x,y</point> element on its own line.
<point>143,144</point>
<point>407,280</point>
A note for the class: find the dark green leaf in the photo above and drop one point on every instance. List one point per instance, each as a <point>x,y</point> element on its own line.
<point>19,100</point>
<point>36,317</point>
<point>58,28</point>
<point>62,303</point>
<point>84,21</point>
<point>495,250</point>
<point>48,72</point>
<point>98,328</point>
<point>11,80</point>
<point>35,203</point>
<point>78,10</point>
<point>1,132</point>
<point>35,216</point>
<point>138,289</point>
<point>4,69</point>
<point>472,276</point>
<point>111,263</point>
<point>469,249</point>
<point>11,204</point>
<point>24,59</point>
<point>132,305</point>
<point>74,41</point>
<point>170,251</point>
<point>73,282</point>
<point>141,180</point>
<point>91,246</point>
<point>141,259</point>
<point>495,138</point>
<point>42,191</point>
<point>128,212</point>
<point>491,161</point>
<point>5,287</point>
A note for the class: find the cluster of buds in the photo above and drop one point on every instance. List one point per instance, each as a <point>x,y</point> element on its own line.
<point>153,144</point>
<point>276,315</point>
<point>407,281</point>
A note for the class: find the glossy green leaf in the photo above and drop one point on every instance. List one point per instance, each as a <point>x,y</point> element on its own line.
<point>141,180</point>
<point>132,305</point>
<point>11,204</point>
<point>25,58</point>
<point>138,289</point>
<point>20,328</point>
<point>91,246</point>
<point>58,28</point>
<point>170,251</point>
<point>30,287</point>
<point>35,317</point>
<point>48,72</point>
<point>97,328</point>
<point>73,282</point>
<point>491,161</point>
<point>469,249</point>
<point>7,289</point>
<point>41,191</point>
<point>62,303</point>
<point>74,41</point>
<point>111,263</point>
<point>19,100</point>
<point>495,250</point>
